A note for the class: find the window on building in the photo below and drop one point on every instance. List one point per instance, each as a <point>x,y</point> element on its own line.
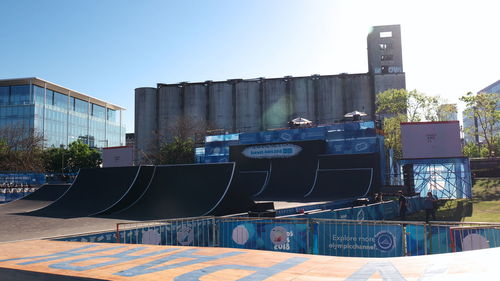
<point>39,93</point>
<point>60,100</point>
<point>385,46</point>
<point>49,99</point>
<point>111,115</point>
<point>386,57</point>
<point>98,111</point>
<point>20,94</point>
<point>4,95</point>
<point>80,106</point>
<point>386,34</point>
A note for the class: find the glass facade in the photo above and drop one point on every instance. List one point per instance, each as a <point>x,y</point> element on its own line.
<point>60,118</point>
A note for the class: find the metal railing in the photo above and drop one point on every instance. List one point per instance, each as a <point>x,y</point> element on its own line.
<point>352,238</point>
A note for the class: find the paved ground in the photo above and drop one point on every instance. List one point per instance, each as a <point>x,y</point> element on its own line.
<point>21,227</point>
<point>33,260</point>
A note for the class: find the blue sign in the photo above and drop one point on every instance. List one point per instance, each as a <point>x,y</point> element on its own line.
<point>264,235</point>
<point>272,151</point>
<point>358,240</point>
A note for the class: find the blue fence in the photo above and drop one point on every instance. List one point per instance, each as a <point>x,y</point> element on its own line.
<point>355,232</point>
<point>11,196</point>
<point>22,178</point>
<point>380,211</point>
<point>312,236</point>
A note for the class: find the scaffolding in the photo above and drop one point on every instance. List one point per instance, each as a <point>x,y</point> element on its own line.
<point>446,178</point>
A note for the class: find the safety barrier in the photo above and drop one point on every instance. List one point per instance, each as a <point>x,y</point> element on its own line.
<point>11,194</point>
<point>13,179</point>
<point>387,210</point>
<point>313,236</point>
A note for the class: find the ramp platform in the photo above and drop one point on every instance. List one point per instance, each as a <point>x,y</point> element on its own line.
<point>43,196</point>
<point>192,190</point>
<point>93,191</point>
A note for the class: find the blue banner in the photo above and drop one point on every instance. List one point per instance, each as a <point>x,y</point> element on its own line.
<point>29,178</point>
<point>264,235</point>
<point>466,239</point>
<point>358,240</point>
<point>352,146</point>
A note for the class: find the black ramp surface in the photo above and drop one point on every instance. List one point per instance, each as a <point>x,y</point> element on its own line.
<point>238,198</point>
<point>253,173</point>
<point>135,191</point>
<point>251,182</point>
<point>93,191</point>
<point>178,191</point>
<point>346,176</point>
<point>40,198</point>
<point>290,178</point>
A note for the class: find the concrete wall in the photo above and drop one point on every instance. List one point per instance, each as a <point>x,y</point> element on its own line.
<point>329,98</point>
<point>145,121</point>
<point>221,106</point>
<point>170,109</point>
<point>389,81</point>
<point>276,105</point>
<point>358,93</point>
<point>302,98</point>
<point>248,106</point>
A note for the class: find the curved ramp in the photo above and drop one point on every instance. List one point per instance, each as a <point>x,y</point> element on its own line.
<point>252,182</point>
<point>178,191</point>
<point>93,191</point>
<point>345,176</point>
<point>136,190</point>
<point>40,198</point>
<point>288,179</point>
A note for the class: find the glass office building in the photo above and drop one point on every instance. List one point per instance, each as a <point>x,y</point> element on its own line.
<point>60,115</point>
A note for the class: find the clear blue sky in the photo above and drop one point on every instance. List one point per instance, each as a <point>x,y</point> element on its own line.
<point>107,48</point>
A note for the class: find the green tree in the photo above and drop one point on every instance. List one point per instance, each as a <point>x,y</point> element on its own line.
<point>414,105</point>
<point>80,155</point>
<point>483,107</point>
<point>446,111</point>
<point>179,151</point>
<point>473,150</point>
<point>56,160</point>
<point>399,105</point>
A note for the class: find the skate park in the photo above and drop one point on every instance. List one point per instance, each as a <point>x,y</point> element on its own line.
<point>296,199</point>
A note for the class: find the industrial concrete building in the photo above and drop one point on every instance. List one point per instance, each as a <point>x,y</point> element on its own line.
<point>251,105</point>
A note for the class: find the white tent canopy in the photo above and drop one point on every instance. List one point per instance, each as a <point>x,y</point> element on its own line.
<point>355,113</point>
<point>300,121</point>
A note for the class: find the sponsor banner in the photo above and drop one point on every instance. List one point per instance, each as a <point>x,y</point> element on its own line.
<point>104,237</point>
<point>435,238</point>
<point>216,159</point>
<point>358,240</point>
<point>264,235</point>
<point>391,209</point>
<point>272,151</point>
<point>318,133</point>
<point>249,138</point>
<point>187,234</point>
<point>7,197</point>
<point>32,179</point>
<point>466,239</point>
<point>352,146</point>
